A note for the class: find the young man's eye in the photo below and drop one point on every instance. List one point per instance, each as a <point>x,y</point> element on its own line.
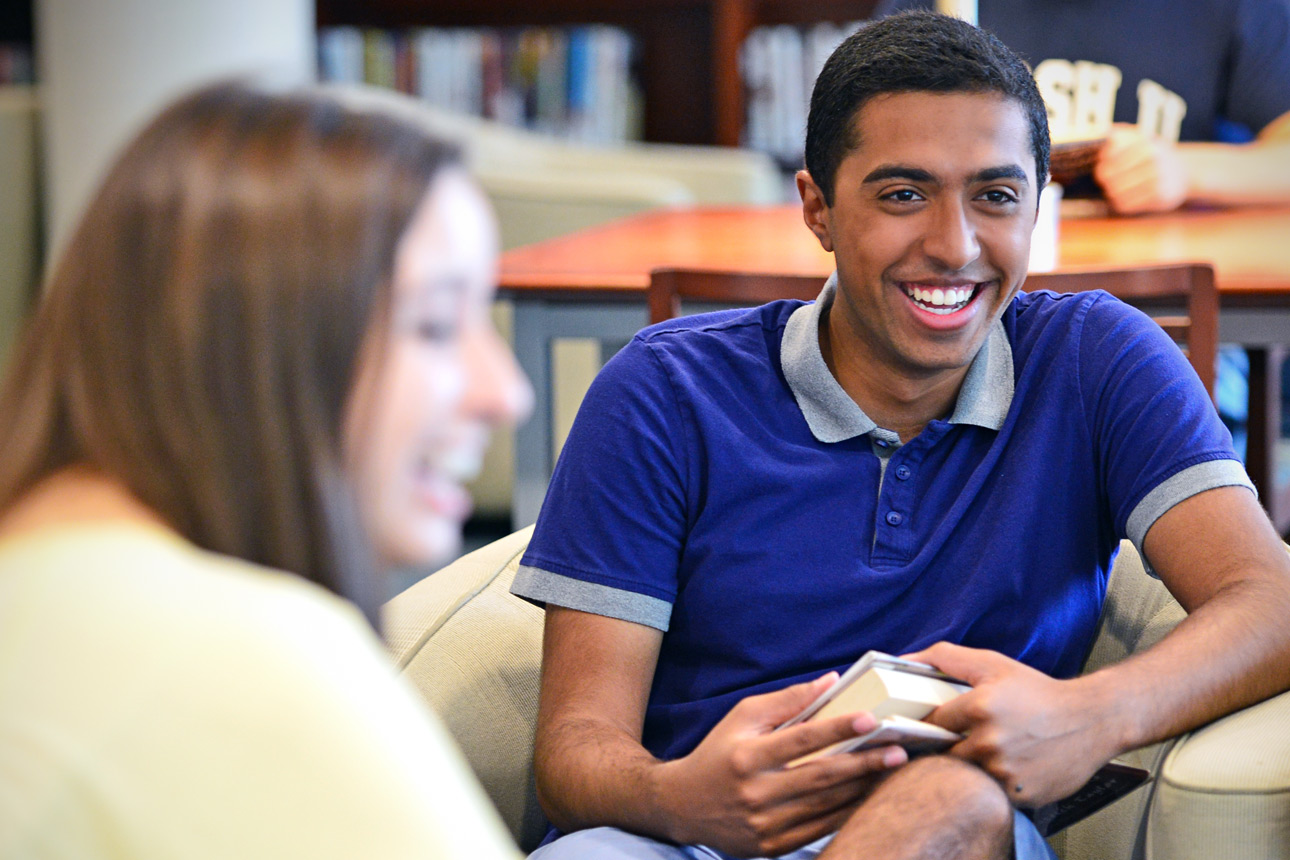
<point>903,195</point>
<point>1000,196</point>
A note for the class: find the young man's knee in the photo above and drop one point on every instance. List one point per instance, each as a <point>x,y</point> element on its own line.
<point>956,789</point>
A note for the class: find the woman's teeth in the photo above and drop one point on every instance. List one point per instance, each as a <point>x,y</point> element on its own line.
<point>940,300</point>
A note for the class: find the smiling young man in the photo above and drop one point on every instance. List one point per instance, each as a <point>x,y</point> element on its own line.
<point>922,460</point>
<point>929,218</point>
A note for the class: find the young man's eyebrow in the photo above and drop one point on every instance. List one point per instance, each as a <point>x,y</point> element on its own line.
<point>1010,171</point>
<point>898,171</point>
<point>917,174</point>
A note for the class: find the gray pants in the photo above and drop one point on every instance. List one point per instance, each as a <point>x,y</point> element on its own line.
<point>608,843</point>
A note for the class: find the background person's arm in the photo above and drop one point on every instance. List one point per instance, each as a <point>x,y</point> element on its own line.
<point>732,792</point>
<point>1042,738</point>
<point>1140,174</point>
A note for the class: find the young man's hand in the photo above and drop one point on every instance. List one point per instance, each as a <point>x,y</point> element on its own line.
<point>742,797</point>
<point>1040,738</point>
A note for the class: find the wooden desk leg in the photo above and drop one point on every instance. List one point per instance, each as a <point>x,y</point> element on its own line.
<point>1264,432</point>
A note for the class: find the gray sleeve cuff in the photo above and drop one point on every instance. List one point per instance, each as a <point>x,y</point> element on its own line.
<point>542,586</point>
<point>1184,485</point>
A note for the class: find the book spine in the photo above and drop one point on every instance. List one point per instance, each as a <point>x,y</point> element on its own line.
<point>379,58</point>
<point>340,55</point>
<point>580,84</point>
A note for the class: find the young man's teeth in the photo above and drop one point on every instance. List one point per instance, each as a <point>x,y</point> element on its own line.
<point>940,300</point>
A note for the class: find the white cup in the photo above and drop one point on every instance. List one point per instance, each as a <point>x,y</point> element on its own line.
<point>1043,242</point>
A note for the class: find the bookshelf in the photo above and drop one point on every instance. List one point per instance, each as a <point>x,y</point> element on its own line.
<point>688,65</point>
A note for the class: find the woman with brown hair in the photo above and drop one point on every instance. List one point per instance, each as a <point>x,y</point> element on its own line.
<point>265,351</point>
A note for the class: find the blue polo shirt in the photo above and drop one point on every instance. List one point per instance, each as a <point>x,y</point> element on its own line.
<point>718,484</point>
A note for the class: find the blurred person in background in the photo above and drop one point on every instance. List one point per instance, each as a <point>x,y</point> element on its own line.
<point>260,374</point>
<point>1200,91</point>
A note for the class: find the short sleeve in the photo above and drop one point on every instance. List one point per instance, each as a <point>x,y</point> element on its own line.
<point>611,528</point>
<point>1157,434</point>
<point>1258,88</point>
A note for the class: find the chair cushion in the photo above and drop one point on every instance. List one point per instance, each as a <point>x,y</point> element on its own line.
<point>474,650</point>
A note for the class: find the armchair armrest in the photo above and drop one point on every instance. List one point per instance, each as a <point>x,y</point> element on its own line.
<point>473,650</point>
<point>1224,790</point>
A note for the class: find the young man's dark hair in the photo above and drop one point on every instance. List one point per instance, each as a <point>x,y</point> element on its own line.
<point>912,52</point>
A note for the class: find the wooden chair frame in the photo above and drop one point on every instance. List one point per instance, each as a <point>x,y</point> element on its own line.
<point>1186,290</point>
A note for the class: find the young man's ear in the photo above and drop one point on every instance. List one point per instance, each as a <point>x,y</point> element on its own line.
<point>815,212</point>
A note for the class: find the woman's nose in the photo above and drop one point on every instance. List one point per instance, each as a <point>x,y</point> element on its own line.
<point>498,392</point>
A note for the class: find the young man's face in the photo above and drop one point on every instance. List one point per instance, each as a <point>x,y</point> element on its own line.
<point>930,227</point>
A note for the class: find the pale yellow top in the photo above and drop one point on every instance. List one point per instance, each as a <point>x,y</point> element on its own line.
<point>157,701</point>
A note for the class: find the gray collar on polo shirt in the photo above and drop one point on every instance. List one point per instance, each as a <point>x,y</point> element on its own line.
<point>833,416</point>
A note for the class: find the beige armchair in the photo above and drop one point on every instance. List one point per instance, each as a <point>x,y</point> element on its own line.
<point>1220,793</point>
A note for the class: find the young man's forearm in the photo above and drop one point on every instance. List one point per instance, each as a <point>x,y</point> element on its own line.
<point>591,774</point>
<point>1227,654</point>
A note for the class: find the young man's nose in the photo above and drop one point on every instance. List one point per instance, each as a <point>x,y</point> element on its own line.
<point>951,238</point>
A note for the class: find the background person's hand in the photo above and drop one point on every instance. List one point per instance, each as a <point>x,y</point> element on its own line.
<point>741,797</point>
<point>1039,737</point>
<point>1139,173</point>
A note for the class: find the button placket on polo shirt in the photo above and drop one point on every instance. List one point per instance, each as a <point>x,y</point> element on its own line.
<point>886,446</point>
<point>895,537</point>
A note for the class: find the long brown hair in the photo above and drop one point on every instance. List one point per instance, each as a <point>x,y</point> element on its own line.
<point>200,333</point>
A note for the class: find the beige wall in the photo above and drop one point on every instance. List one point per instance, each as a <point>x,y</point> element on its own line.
<point>105,66</point>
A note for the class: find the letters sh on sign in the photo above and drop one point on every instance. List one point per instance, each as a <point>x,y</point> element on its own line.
<point>1081,101</point>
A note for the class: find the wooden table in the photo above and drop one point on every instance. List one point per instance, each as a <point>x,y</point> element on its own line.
<point>592,284</point>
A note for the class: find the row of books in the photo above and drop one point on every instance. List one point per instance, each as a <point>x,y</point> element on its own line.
<point>574,82</point>
<point>779,67</point>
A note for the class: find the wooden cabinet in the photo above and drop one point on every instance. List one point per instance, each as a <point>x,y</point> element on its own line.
<point>688,64</point>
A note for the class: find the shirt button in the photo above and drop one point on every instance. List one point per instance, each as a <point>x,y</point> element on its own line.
<point>894,518</point>
<point>903,472</point>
